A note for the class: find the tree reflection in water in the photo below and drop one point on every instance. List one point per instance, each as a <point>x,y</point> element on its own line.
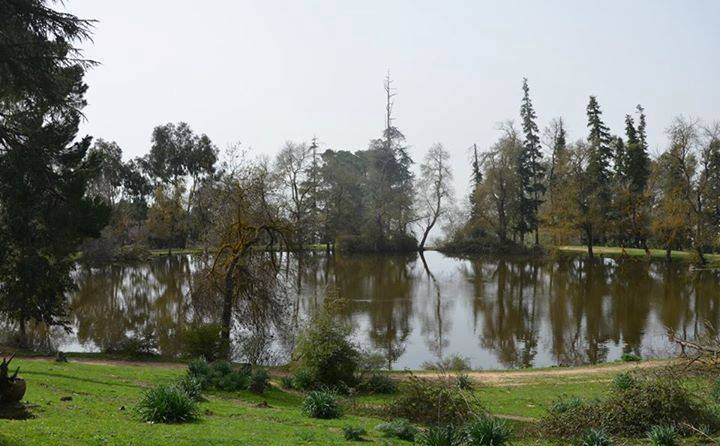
<point>500,312</point>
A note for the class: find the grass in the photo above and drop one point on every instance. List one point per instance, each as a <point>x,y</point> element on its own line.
<point>613,251</point>
<point>104,396</point>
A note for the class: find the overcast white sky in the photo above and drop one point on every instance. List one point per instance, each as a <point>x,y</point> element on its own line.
<point>263,72</point>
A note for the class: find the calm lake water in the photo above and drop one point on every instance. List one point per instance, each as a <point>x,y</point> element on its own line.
<point>499,312</point>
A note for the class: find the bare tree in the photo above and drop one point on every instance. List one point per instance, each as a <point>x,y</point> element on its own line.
<point>434,189</point>
<point>294,167</point>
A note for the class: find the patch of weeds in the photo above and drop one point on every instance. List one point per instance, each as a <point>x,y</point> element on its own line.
<point>398,428</point>
<point>352,433</point>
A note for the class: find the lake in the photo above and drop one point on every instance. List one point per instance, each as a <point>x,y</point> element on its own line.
<point>498,312</point>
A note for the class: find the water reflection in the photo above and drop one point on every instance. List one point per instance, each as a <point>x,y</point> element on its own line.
<point>499,312</point>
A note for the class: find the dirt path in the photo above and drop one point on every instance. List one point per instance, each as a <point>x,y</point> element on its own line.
<point>519,377</point>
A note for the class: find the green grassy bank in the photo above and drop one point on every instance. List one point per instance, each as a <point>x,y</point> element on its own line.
<point>103,395</point>
<point>614,251</point>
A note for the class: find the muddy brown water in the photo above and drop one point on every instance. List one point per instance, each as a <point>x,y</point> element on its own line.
<point>498,312</point>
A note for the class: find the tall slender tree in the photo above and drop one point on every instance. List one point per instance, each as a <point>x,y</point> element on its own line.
<point>530,168</point>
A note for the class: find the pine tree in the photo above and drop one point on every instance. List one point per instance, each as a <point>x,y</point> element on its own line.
<point>530,168</point>
<point>637,167</point>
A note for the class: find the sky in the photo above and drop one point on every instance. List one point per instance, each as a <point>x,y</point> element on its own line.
<point>265,72</point>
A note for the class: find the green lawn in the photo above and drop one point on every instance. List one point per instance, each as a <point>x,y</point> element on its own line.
<point>614,251</point>
<point>103,397</point>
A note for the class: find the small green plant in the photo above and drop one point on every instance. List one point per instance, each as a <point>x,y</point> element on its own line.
<point>565,404</point>
<point>623,381</point>
<point>321,404</point>
<point>167,404</point>
<point>200,370</point>
<point>352,433</point>
<point>379,383</point>
<point>259,381</point>
<point>191,386</point>
<point>595,437</point>
<point>398,428</point>
<point>630,357</point>
<point>464,382</point>
<point>441,436</point>
<point>664,435</point>
<point>715,392</point>
<point>487,431</point>
<point>302,380</point>
<point>287,382</point>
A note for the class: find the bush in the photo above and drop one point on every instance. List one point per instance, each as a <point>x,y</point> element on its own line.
<point>487,431</point>
<point>321,404</point>
<point>453,363</point>
<point>630,357</point>
<point>379,383</point>
<point>353,433</point>
<point>167,404</point>
<point>464,382</point>
<point>632,411</point>
<point>327,356</point>
<point>441,436</point>
<point>565,403</point>
<point>302,380</point>
<point>191,386</point>
<point>259,381</point>
<point>399,428</point>
<point>432,402</point>
<point>218,375</point>
<point>287,382</point>
<point>595,437</point>
<point>202,341</point>
<point>663,436</point>
<point>623,381</point>
<point>715,392</point>
<point>199,369</point>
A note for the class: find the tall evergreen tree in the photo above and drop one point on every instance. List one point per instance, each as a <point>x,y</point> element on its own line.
<point>45,212</point>
<point>637,167</point>
<point>530,168</point>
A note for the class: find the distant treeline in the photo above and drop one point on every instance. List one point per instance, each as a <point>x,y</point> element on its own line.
<point>531,188</point>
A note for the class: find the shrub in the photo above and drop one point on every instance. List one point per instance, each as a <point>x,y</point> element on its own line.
<point>327,355</point>
<point>379,383</point>
<point>202,341</point>
<point>487,431</point>
<point>663,436</point>
<point>167,404</point>
<point>259,381</point>
<point>565,403</point>
<point>632,411</point>
<point>441,436</point>
<point>399,428</point>
<point>630,357</point>
<point>200,370</point>
<point>287,382</point>
<point>715,392</point>
<point>302,380</point>
<point>352,433</point>
<point>321,404</point>
<point>464,382</point>
<point>595,437</point>
<point>218,375</point>
<point>433,402</point>
<point>623,381</point>
<point>191,386</point>
<point>453,363</point>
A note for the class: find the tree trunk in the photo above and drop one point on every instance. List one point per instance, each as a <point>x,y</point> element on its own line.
<point>226,320</point>
<point>588,234</point>
<point>668,253</point>
<point>22,340</point>
<point>701,256</point>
